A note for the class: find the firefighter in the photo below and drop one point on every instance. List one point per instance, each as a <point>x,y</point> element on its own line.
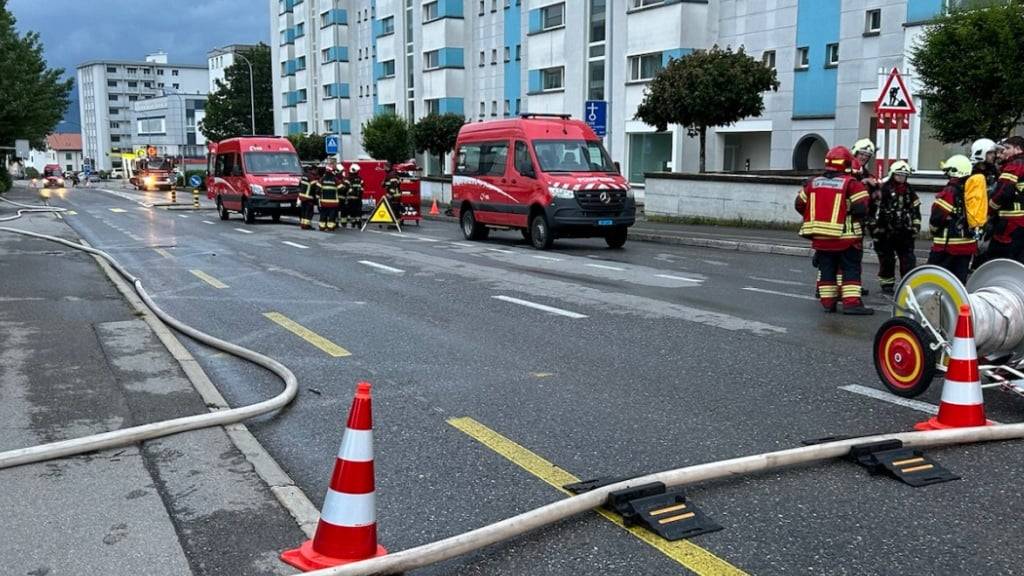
<point>895,225</point>
<point>307,197</point>
<point>328,201</point>
<point>833,206</point>
<point>983,157</point>
<point>1007,203</point>
<point>343,197</point>
<point>355,183</point>
<point>953,243</point>
<point>863,151</point>
<point>393,188</point>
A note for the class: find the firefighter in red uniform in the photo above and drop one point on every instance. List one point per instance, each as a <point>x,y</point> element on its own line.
<point>307,197</point>
<point>328,201</point>
<point>1007,204</point>
<point>833,206</point>
<point>953,243</point>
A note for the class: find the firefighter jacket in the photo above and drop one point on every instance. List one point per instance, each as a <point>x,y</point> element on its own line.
<point>343,187</point>
<point>307,190</point>
<point>329,191</point>
<point>833,206</point>
<point>950,231</point>
<point>1007,201</point>
<point>897,211</point>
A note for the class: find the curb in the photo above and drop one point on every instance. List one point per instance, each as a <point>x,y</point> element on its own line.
<point>291,497</point>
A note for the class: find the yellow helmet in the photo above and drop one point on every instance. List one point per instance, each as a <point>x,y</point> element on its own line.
<point>900,167</point>
<point>864,145</point>
<point>957,166</point>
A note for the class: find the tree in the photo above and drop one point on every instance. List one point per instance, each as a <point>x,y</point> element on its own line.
<point>436,134</point>
<point>310,147</point>
<point>229,111</point>
<point>705,89</point>
<point>33,98</point>
<point>386,137</point>
<point>968,64</point>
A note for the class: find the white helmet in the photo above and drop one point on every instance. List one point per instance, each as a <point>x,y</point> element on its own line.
<point>900,167</point>
<point>353,168</point>
<point>865,146</point>
<point>980,149</point>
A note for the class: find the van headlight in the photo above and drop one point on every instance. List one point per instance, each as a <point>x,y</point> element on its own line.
<point>256,189</point>
<point>561,192</point>
<point>629,193</point>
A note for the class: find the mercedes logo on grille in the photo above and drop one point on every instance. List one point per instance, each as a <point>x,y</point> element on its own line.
<point>605,197</point>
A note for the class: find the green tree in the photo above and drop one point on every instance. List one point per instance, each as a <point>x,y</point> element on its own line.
<point>705,89</point>
<point>386,137</point>
<point>968,64</point>
<point>228,110</point>
<point>310,147</point>
<point>436,134</point>
<point>33,98</point>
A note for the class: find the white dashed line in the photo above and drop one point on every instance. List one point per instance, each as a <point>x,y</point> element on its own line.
<point>894,399</point>
<point>463,244</point>
<point>777,293</point>
<point>207,222</point>
<point>295,244</point>
<point>775,281</point>
<point>603,267</point>
<point>680,278</point>
<point>549,258</point>
<point>182,216</point>
<point>243,231</point>
<point>425,239</point>
<point>382,267</point>
<point>117,210</point>
<point>541,307</point>
<point>500,250</point>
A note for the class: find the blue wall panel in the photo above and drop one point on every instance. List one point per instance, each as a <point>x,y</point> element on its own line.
<point>814,89</point>
<point>922,10</point>
<point>513,68</point>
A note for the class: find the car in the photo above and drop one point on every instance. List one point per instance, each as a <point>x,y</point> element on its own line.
<point>546,175</point>
<point>256,176</point>
<point>117,174</point>
<point>53,177</point>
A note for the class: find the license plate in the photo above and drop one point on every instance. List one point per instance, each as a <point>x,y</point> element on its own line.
<point>605,222</point>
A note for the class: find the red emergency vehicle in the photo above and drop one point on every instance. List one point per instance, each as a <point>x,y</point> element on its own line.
<point>153,173</point>
<point>256,176</point>
<point>374,173</point>
<point>52,176</point>
<point>546,175</point>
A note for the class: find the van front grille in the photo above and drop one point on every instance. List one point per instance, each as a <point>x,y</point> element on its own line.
<point>281,190</point>
<point>601,201</point>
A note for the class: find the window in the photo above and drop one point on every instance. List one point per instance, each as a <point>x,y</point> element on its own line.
<point>146,71</point>
<point>112,97</point>
<point>803,58</point>
<point>494,56</point>
<point>132,98</point>
<point>387,69</point>
<point>494,107</point>
<point>67,156</point>
<point>831,55</point>
<point>300,63</point>
<point>115,138</point>
<point>646,3</point>
<point>111,83</point>
<point>481,13</point>
<point>494,5</point>
<point>151,125</point>
<point>768,59</point>
<point>482,159</point>
<point>133,84</point>
<point>597,20</point>
<point>872,21</point>
<point>519,52</point>
<point>430,11</point>
<point>111,70</point>
<point>552,78</point>
<point>483,109</point>
<point>649,152</point>
<point>483,57</point>
<point>225,164</point>
<point>431,60</point>
<point>159,84</point>
<point>572,156</point>
<point>132,70</point>
<point>160,72</point>
<point>176,86</point>
<point>112,111</point>
<point>508,53</point>
<point>552,16</point>
<point>300,30</point>
<point>595,80</point>
<point>115,125</point>
<point>387,26</point>
<point>433,105</point>
<point>508,108</point>
<point>644,66</point>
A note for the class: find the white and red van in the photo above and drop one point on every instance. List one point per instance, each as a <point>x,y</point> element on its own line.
<point>256,176</point>
<point>546,175</point>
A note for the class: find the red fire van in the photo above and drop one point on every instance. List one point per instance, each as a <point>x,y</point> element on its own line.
<point>256,176</point>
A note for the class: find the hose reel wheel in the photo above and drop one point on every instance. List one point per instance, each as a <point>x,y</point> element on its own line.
<point>904,358</point>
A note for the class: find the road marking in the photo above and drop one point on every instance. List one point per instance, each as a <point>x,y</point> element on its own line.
<point>382,267</point>
<point>308,335</point>
<point>777,293</point>
<point>715,262</point>
<point>182,216</point>
<point>892,398</point>
<point>208,279</point>
<point>549,258</point>
<point>144,209</point>
<point>603,267</point>
<point>463,244</point>
<point>71,213</point>
<point>207,222</point>
<point>680,278</point>
<point>425,239</point>
<point>118,210</point>
<point>775,281</point>
<point>542,374</point>
<point>541,307</point>
<point>397,235</point>
<point>243,230</point>
<point>686,553</point>
<point>295,244</point>
<point>162,252</point>
<point>500,250</point>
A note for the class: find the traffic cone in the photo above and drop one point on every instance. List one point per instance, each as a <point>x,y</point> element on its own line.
<point>962,404</point>
<point>433,208</point>
<point>347,531</point>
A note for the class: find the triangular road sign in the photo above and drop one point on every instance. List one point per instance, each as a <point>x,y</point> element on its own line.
<point>383,214</point>
<point>894,97</point>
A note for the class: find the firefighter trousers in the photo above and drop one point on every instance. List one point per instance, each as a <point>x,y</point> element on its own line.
<point>306,214</point>
<point>328,217</point>
<point>1014,249</point>
<point>891,249</point>
<point>957,264</point>
<point>830,264</point>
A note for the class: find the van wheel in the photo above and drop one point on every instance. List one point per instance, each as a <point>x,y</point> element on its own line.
<point>471,229</point>
<point>276,217</point>
<point>540,232</point>
<point>221,210</point>
<point>616,238</point>
<point>248,214</point>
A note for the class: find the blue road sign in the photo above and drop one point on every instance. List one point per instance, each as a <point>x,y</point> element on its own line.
<point>87,168</point>
<point>595,114</point>
<point>194,181</point>
<point>331,143</point>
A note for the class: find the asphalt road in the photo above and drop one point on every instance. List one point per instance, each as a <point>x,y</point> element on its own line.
<point>647,358</point>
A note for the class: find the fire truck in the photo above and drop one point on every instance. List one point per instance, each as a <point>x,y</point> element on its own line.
<point>153,173</point>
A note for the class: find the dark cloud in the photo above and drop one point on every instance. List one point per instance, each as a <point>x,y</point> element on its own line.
<point>75,31</point>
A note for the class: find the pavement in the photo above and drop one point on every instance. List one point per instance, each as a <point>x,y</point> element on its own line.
<point>500,371</point>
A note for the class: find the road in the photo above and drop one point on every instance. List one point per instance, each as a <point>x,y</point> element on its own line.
<point>601,362</point>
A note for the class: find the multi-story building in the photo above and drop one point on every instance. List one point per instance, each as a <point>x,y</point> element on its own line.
<point>170,123</point>
<point>220,59</point>
<point>64,148</point>
<point>342,61</point>
<point>107,90</point>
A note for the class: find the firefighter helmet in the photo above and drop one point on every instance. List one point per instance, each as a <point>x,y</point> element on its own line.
<point>980,149</point>
<point>957,166</point>
<point>900,167</point>
<point>353,168</point>
<point>838,159</point>
<point>864,146</point>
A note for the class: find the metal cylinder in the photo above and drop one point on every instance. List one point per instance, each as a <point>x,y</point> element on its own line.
<point>174,196</point>
<point>998,320</point>
<point>195,198</point>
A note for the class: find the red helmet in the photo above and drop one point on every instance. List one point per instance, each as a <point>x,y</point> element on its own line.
<point>855,166</point>
<point>839,159</point>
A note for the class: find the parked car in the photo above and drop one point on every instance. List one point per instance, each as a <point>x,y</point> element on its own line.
<point>256,176</point>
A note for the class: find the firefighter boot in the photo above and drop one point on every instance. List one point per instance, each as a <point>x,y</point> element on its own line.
<point>856,307</point>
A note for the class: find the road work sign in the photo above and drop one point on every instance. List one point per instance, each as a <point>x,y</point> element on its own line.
<point>895,99</point>
<point>383,214</point>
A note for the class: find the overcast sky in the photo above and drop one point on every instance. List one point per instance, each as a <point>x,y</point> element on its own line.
<point>74,31</point>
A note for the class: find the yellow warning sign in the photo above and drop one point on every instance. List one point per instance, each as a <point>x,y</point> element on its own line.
<point>383,214</point>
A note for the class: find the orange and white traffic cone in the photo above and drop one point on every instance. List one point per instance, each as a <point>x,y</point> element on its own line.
<point>962,402</point>
<point>433,208</point>
<point>347,531</point>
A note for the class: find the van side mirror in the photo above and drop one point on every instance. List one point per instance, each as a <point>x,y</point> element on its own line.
<point>236,170</point>
<point>618,168</point>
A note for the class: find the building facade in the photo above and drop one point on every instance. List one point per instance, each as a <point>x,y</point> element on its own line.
<point>64,149</point>
<point>221,59</point>
<point>108,90</point>
<point>170,123</point>
<point>343,61</point>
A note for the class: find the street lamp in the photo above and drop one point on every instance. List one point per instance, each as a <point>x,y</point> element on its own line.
<point>252,92</point>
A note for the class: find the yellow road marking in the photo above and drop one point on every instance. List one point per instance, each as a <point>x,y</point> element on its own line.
<point>308,335</point>
<point>162,252</point>
<point>117,210</point>
<point>208,279</point>
<point>693,557</point>
<point>541,374</point>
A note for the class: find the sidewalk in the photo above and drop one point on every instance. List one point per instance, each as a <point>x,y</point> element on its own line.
<point>76,360</point>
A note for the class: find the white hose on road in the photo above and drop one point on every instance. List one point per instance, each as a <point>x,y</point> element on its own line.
<point>137,434</point>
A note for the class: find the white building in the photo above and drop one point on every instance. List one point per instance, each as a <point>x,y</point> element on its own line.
<point>170,123</point>
<point>64,149</point>
<point>221,59</point>
<point>107,90</point>
<point>341,61</point>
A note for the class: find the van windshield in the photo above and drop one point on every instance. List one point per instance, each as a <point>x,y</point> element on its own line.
<point>572,156</point>
<point>272,163</point>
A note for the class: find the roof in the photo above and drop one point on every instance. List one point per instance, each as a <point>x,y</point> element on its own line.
<point>533,127</point>
<point>231,49</point>
<point>65,141</point>
<point>139,63</point>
